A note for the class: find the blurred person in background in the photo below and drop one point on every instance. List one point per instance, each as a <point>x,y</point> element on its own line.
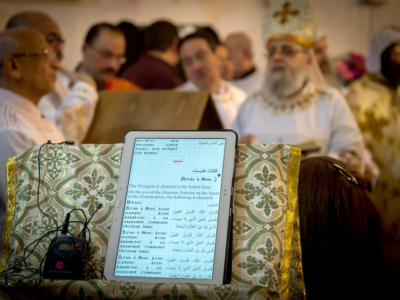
<point>374,100</point>
<point>157,67</point>
<point>103,55</point>
<point>134,38</point>
<point>227,69</point>
<point>322,56</point>
<point>203,70</point>
<point>246,75</point>
<point>28,71</point>
<point>72,104</point>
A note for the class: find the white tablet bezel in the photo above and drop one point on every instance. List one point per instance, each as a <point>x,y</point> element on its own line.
<point>225,205</point>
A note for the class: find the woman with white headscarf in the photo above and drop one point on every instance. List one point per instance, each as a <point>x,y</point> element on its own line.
<point>374,99</point>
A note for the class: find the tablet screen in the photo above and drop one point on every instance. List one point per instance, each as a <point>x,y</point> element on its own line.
<point>170,216</point>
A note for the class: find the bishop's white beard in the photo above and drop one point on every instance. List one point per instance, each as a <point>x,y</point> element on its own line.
<point>285,83</point>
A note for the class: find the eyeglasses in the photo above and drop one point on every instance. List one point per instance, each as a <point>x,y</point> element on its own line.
<point>45,52</point>
<point>53,38</point>
<point>41,52</point>
<point>107,55</point>
<point>285,50</point>
<point>50,55</point>
<point>200,56</point>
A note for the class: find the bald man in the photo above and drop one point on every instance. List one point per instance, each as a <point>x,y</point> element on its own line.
<point>246,75</point>
<point>28,72</point>
<point>72,104</point>
<point>322,56</point>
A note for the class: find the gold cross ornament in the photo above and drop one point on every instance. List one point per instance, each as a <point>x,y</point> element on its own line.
<point>374,125</point>
<point>285,13</point>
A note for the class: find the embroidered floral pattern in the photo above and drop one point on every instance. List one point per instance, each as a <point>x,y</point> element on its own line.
<point>84,176</point>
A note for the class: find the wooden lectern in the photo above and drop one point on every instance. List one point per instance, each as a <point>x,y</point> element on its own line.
<point>120,112</point>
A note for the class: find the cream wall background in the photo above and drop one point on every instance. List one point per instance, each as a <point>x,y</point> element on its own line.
<point>347,24</point>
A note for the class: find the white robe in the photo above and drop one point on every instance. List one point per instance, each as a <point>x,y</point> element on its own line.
<point>70,109</point>
<point>21,127</point>
<point>320,115</point>
<point>251,83</point>
<point>227,100</point>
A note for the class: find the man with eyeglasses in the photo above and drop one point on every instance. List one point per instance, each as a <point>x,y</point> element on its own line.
<point>103,55</point>
<point>202,68</point>
<point>72,104</point>
<point>375,102</point>
<point>28,70</point>
<point>295,106</point>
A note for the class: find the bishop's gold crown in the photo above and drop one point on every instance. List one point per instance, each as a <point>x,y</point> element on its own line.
<point>291,19</point>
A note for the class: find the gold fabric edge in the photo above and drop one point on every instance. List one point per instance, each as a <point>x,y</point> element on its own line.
<point>292,37</point>
<point>298,257</point>
<point>292,183</point>
<point>11,186</point>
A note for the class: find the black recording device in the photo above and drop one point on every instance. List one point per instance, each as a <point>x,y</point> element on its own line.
<point>65,257</point>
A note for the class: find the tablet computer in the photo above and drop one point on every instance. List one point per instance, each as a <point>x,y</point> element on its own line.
<point>173,212</point>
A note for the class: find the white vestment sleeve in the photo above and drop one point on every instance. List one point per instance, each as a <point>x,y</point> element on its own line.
<point>345,133</point>
<point>74,115</point>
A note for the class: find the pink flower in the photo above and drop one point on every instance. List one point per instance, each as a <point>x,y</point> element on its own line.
<point>344,71</point>
<point>350,66</point>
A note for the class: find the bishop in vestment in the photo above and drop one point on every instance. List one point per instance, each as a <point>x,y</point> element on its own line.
<point>295,106</point>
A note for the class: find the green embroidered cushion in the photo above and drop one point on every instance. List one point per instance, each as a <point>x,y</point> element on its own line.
<point>266,245</point>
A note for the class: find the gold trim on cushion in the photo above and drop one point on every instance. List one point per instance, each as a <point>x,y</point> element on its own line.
<point>294,38</point>
<point>298,258</point>
<point>11,184</point>
<point>291,216</point>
